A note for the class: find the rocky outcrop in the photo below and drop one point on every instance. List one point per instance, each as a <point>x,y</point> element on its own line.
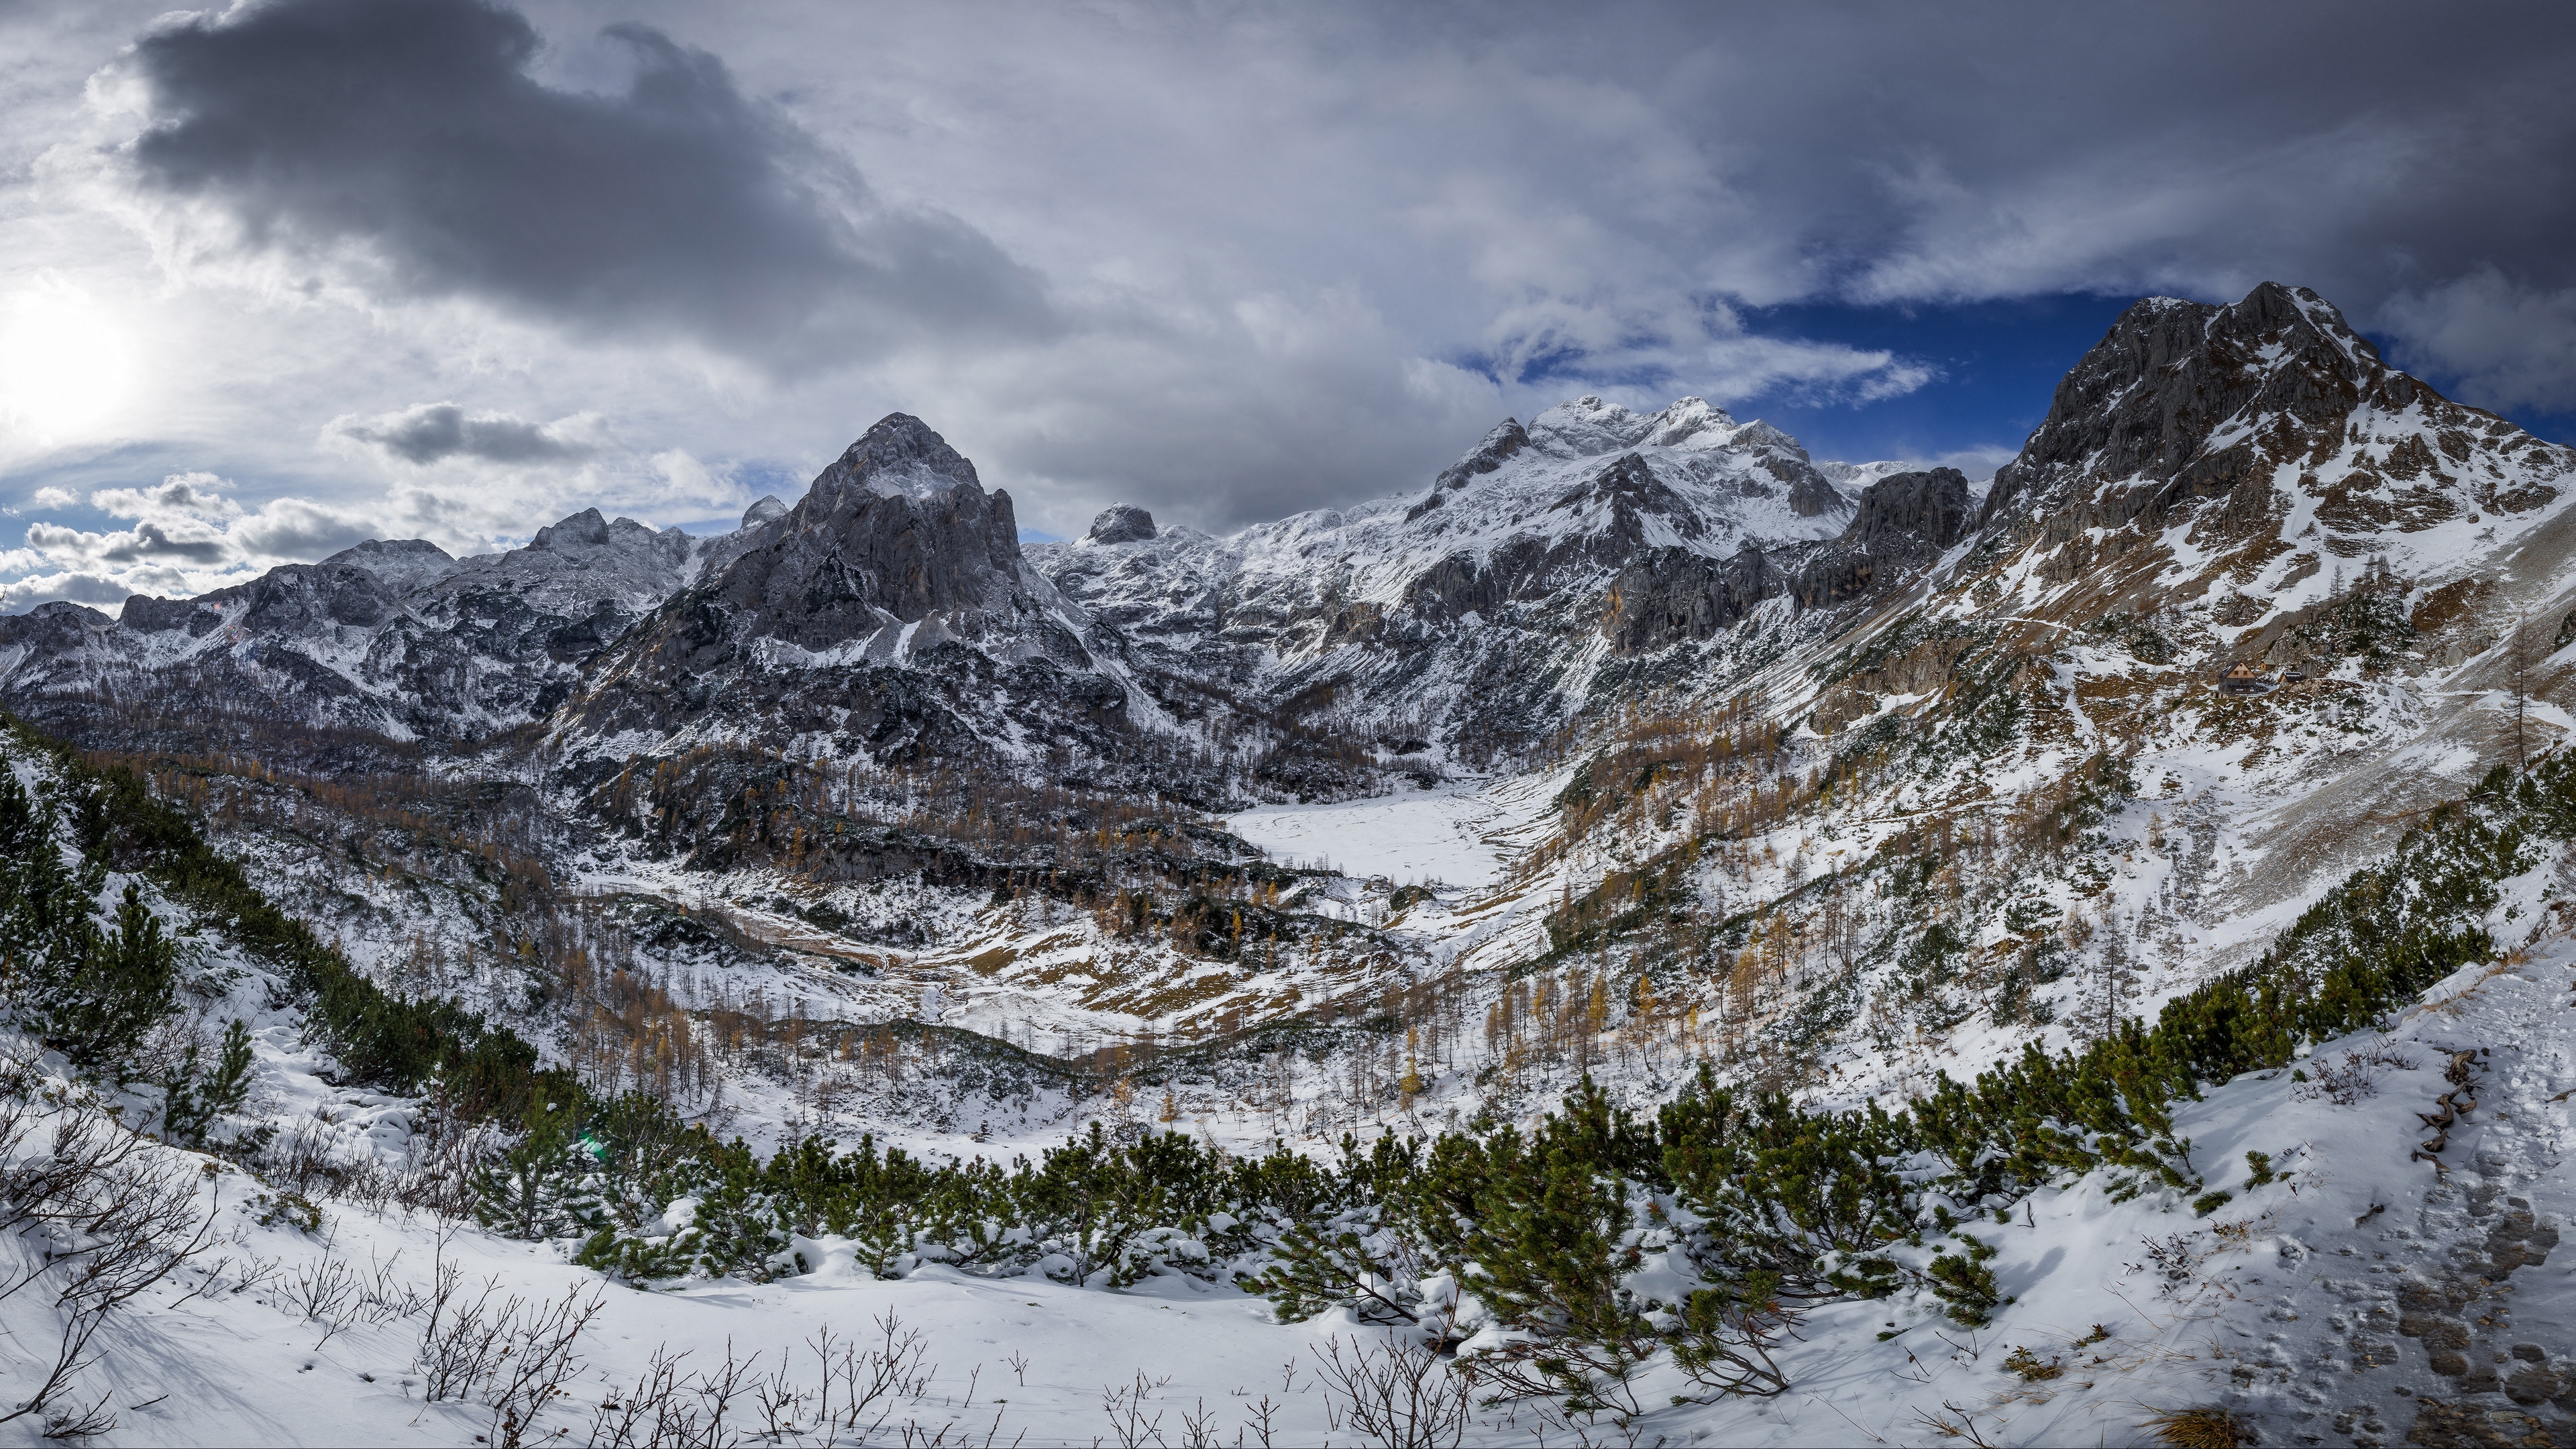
<point>1122,523</point>
<point>2143,402</point>
<point>897,530</point>
<point>1904,522</point>
<point>1911,513</point>
<point>1672,596</point>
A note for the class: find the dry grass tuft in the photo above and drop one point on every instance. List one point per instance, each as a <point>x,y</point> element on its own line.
<point>2200,1429</point>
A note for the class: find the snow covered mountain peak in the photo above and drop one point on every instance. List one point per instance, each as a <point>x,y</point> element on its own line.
<point>2235,458</point>
<point>1593,531</point>
<point>1689,475</point>
<point>1589,427</point>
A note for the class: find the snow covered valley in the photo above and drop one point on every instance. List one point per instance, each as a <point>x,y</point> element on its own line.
<point>2368,1291</point>
<point>2355,1245</point>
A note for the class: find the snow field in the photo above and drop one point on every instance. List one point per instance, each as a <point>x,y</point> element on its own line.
<point>1457,834</point>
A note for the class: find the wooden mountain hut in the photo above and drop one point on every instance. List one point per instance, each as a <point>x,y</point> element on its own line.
<point>2244,678</point>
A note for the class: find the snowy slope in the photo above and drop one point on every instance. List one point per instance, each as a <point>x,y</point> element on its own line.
<point>2372,1293</point>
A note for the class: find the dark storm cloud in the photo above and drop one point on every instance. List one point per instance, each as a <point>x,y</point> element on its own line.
<point>2423,175</point>
<point>152,542</point>
<point>408,136</point>
<point>433,432</point>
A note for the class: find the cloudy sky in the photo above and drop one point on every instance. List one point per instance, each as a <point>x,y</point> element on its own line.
<point>279,277</point>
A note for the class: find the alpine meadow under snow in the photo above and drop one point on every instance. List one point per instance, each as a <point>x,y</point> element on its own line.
<point>1646,938</point>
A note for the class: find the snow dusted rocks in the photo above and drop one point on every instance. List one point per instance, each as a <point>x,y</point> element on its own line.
<point>1122,523</point>
<point>393,637</point>
<point>2268,419</point>
<point>1674,596</point>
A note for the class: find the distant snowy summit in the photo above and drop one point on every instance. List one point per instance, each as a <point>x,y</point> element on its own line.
<point>1495,596</point>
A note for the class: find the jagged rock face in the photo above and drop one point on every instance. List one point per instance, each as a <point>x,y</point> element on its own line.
<point>1906,512</point>
<point>897,530</point>
<point>1904,522</point>
<point>1673,596</point>
<point>2146,400</point>
<point>1122,523</point>
<point>2184,402</point>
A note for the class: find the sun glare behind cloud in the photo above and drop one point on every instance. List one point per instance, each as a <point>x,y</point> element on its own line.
<point>66,365</point>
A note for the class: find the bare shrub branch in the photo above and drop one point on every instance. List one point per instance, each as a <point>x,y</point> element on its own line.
<point>1401,1394</point>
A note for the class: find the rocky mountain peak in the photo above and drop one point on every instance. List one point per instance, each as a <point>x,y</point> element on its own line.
<point>1507,439</point>
<point>405,564</point>
<point>767,509</point>
<point>2278,437</point>
<point>1122,523</point>
<point>1693,417</point>
<point>898,528</point>
<point>587,533</point>
<point>2156,397</point>
<point>899,457</point>
<point>889,609</point>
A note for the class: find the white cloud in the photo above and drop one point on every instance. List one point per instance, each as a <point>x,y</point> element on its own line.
<point>684,479</point>
<point>181,495</point>
<point>2497,342</point>
<point>52,497</point>
<point>80,588</point>
<point>188,535</point>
